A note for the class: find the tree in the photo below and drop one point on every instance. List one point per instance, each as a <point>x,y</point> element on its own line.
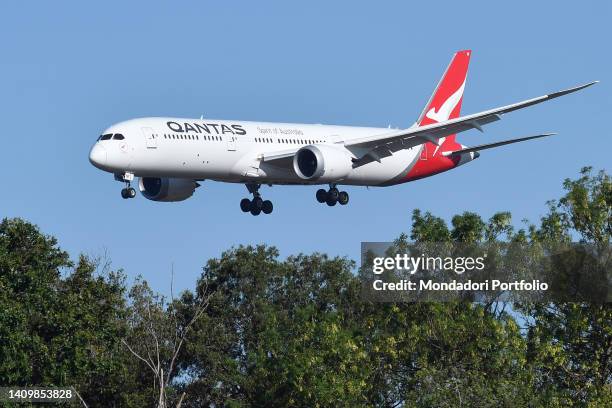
<point>570,344</point>
<point>264,331</point>
<point>157,333</point>
<point>277,333</point>
<point>60,322</point>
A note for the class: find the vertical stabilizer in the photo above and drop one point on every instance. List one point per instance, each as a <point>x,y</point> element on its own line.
<point>445,102</point>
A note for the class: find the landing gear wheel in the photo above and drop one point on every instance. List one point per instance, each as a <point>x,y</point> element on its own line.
<point>256,204</point>
<point>267,207</point>
<point>131,192</point>
<point>343,198</point>
<point>245,205</point>
<point>125,194</point>
<point>331,202</point>
<point>321,195</point>
<point>332,194</point>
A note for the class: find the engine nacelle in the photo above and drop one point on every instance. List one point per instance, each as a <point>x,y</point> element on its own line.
<point>166,189</point>
<point>322,163</point>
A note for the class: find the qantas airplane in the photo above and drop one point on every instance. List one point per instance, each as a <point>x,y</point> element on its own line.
<point>172,155</point>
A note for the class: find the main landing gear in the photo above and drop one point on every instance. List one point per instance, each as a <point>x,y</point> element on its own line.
<point>257,205</point>
<point>332,196</point>
<point>128,191</point>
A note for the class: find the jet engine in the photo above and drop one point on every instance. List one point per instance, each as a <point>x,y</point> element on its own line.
<point>322,163</point>
<point>167,189</point>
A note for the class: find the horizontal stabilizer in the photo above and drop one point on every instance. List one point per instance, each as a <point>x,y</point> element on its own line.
<point>496,144</point>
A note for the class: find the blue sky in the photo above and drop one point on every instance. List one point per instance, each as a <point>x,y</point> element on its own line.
<point>70,69</point>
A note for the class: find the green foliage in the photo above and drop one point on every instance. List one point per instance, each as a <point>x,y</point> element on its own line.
<point>60,324</point>
<point>587,206</point>
<point>468,228</point>
<point>277,333</point>
<point>570,344</point>
<point>29,276</point>
<point>296,332</point>
<point>428,228</point>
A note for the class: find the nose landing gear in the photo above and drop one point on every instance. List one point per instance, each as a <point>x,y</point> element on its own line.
<point>332,196</point>
<point>128,191</point>
<point>257,205</point>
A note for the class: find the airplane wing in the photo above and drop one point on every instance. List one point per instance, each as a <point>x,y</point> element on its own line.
<point>496,144</point>
<point>375,147</point>
<point>282,158</point>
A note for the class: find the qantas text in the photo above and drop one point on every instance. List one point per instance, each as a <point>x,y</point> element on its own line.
<point>209,128</point>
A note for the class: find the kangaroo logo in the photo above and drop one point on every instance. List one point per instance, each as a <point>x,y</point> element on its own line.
<point>447,107</point>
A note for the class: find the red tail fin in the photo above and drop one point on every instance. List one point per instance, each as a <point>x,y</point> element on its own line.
<point>445,102</point>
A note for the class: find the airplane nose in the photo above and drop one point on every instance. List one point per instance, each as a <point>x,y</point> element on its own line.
<point>97,156</point>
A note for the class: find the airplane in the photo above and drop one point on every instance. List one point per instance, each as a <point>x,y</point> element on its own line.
<point>172,156</point>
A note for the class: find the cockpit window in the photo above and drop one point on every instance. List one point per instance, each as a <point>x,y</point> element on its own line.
<point>106,136</point>
<point>118,136</point>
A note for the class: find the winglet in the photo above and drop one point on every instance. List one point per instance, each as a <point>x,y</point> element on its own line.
<point>570,90</point>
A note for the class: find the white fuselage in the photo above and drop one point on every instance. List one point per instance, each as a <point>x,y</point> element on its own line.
<point>170,154</point>
<point>232,151</point>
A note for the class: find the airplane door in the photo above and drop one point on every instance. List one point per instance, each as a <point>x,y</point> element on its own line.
<point>231,143</point>
<point>150,137</point>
